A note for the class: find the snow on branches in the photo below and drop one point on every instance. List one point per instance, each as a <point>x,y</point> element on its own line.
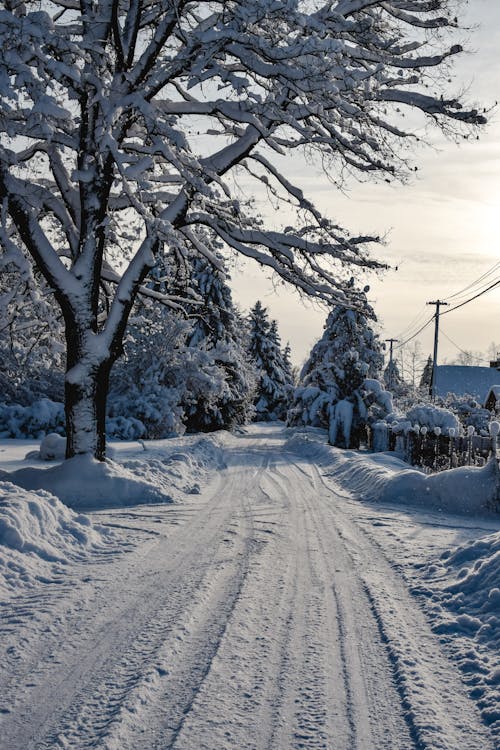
<point>122,124</point>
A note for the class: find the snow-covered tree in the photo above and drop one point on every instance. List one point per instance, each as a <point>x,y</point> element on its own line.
<point>332,378</point>
<point>288,366</point>
<point>101,164</point>
<point>426,377</point>
<point>392,376</point>
<point>161,375</point>
<point>31,337</point>
<point>274,379</point>
<point>218,329</point>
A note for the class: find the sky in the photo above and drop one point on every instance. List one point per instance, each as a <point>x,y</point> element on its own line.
<point>442,229</point>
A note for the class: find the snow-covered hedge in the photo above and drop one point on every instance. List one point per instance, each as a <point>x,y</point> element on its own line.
<point>430,416</point>
<point>33,421</point>
<point>469,412</point>
<point>45,417</point>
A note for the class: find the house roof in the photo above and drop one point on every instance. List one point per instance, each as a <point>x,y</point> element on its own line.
<point>463,379</point>
<point>495,390</point>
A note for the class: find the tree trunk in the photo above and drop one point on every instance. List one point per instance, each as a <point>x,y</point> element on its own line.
<point>86,390</point>
<point>85,407</point>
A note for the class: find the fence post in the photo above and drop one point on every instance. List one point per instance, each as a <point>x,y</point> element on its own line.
<point>451,433</point>
<point>470,433</point>
<point>437,433</point>
<point>494,429</point>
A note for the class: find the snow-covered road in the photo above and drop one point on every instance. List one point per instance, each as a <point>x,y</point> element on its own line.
<point>260,614</point>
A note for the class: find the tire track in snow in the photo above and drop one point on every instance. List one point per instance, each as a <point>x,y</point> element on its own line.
<point>369,705</point>
<point>235,705</point>
<point>269,687</point>
<point>184,660</point>
<point>60,693</point>
<point>424,677</point>
<point>315,708</point>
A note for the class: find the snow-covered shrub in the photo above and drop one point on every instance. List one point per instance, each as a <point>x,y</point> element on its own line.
<point>431,416</point>
<point>53,446</point>
<point>34,421</point>
<point>468,411</point>
<point>124,428</point>
<point>151,405</point>
<point>161,375</point>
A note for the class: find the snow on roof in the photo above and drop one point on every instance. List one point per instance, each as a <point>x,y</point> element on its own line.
<point>495,390</point>
<point>463,379</point>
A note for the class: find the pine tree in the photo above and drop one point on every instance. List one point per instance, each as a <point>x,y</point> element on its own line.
<point>348,352</point>
<point>426,378</point>
<point>161,375</point>
<point>274,386</point>
<point>289,368</point>
<point>392,376</point>
<point>218,330</point>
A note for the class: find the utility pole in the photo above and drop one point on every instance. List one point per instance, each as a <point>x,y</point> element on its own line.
<point>432,386</point>
<point>391,344</point>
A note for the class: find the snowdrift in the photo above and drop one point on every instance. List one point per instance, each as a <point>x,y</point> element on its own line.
<point>160,471</point>
<point>39,535</point>
<point>464,601</point>
<point>382,477</point>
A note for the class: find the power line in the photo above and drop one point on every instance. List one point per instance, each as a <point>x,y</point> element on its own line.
<point>471,299</point>
<point>416,320</point>
<point>478,359</point>
<point>415,334</point>
<point>478,290</point>
<point>476,282</point>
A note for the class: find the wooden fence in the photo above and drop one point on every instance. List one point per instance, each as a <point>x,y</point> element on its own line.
<point>433,452</point>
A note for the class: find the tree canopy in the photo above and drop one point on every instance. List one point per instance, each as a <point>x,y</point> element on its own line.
<point>123,124</point>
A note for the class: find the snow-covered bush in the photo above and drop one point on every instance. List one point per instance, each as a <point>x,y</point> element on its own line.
<point>53,446</point>
<point>125,428</point>
<point>161,375</point>
<point>431,416</point>
<point>34,421</point>
<point>468,411</point>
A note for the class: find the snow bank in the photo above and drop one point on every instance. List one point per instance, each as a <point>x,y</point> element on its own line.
<point>463,587</point>
<point>382,477</point>
<point>39,535</point>
<point>154,472</point>
<point>82,482</point>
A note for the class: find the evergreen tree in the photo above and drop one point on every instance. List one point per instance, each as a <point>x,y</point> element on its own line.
<point>160,375</point>
<point>274,385</point>
<point>332,378</point>
<point>426,378</point>
<point>290,370</point>
<point>392,376</point>
<point>31,336</point>
<point>218,329</point>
